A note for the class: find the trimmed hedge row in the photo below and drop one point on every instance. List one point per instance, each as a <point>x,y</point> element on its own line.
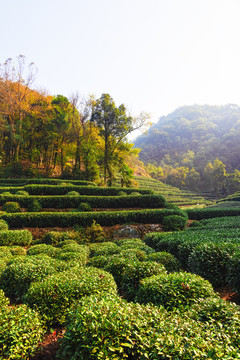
<point>83,190</point>
<point>48,219</point>
<point>64,201</point>
<point>45,181</point>
<point>199,214</point>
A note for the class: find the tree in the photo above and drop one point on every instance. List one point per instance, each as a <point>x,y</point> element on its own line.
<point>16,77</point>
<point>114,124</point>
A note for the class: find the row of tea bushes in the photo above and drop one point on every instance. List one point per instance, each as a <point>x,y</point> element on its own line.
<point>22,182</point>
<point>206,213</point>
<point>107,327</point>
<point>212,254</point>
<point>48,219</point>
<point>64,201</point>
<point>82,190</point>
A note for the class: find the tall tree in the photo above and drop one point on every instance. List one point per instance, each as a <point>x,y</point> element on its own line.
<point>16,77</point>
<point>114,124</point>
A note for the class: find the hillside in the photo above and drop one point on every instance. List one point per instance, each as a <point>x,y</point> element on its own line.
<point>209,132</point>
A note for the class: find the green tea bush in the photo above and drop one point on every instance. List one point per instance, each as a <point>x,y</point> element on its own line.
<point>3,300</point>
<point>56,237</point>
<point>136,271</point>
<point>34,206</point>
<point>43,249</point>
<point>21,331</point>
<point>22,193</point>
<point>17,250</point>
<point>108,327</point>
<point>84,206</point>
<point>55,295</point>
<point>116,266</point>
<point>233,271</point>
<point>98,261</point>
<point>73,193</point>
<point>211,260</point>
<point>15,237</point>
<point>74,252</point>
<point>216,310</point>
<point>174,223</point>
<point>11,207</point>
<point>3,225</point>
<point>20,273</point>
<point>106,248</point>
<point>134,244</point>
<point>134,254</point>
<point>174,290</point>
<point>168,260</point>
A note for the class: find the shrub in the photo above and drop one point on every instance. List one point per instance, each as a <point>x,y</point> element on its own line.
<point>3,300</point>
<point>20,273</point>
<point>22,193</point>
<point>136,271</point>
<point>233,271</point>
<point>34,206</point>
<point>116,265</point>
<point>174,223</point>
<point>15,237</point>
<point>43,249</point>
<point>108,327</point>
<point>211,260</point>
<point>3,225</point>
<point>106,248</point>
<point>174,290</point>
<point>73,193</point>
<point>56,237</point>
<point>11,207</point>
<point>98,261</point>
<point>168,260</point>
<point>17,250</point>
<point>134,244</point>
<point>21,331</point>
<point>54,296</point>
<point>134,254</point>
<point>94,233</point>
<point>84,206</point>
<point>74,252</point>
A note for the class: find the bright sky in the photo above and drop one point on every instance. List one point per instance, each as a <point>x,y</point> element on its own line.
<point>151,55</point>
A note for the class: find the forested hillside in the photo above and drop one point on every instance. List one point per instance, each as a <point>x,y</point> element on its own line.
<point>195,147</point>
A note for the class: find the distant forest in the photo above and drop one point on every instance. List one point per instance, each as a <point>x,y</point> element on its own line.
<point>195,147</point>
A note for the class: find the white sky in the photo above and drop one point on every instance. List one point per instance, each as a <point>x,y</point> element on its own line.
<point>151,55</point>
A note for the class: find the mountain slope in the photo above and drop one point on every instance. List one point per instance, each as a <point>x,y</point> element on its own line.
<point>210,132</point>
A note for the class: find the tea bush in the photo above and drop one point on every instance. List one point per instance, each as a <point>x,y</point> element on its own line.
<point>106,248</point>
<point>3,300</point>
<point>233,271</point>
<point>3,225</point>
<point>134,244</point>
<point>84,206</point>
<point>94,233</point>
<point>174,290</point>
<point>20,273</point>
<point>34,206</point>
<point>174,223</point>
<point>55,295</point>
<point>15,237</point>
<point>211,260</point>
<point>168,260</point>
<point>22,193</point>
<point>43,249</point>
<point>108,327</point>
<point>73,193</point>
<point>11,207</point>
<point>136,271</point>
<point>56,237</point>
<point>21,331</point>
<point>99,261</point>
